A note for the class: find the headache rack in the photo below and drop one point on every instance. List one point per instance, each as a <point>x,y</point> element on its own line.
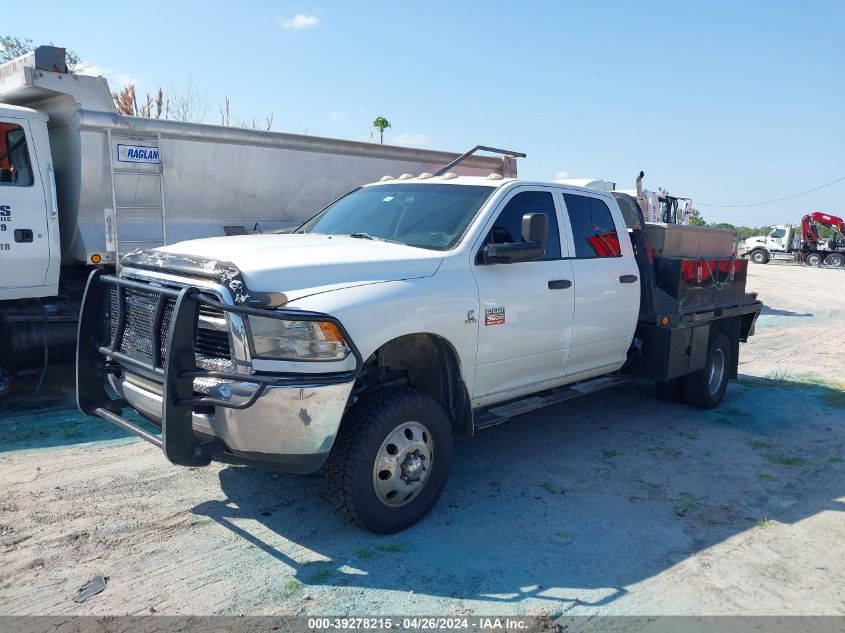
<point>170,354</point>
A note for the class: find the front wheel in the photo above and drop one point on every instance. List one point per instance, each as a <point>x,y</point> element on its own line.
<point>813,259</point>
<point>835,259</point>
<point>390,459</point>
<point>706,388</point>
<point>760,256</point>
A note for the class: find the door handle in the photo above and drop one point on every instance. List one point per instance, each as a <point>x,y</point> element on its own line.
<point>628,279</point>
<point>559,284</point>
<point>23,235</point>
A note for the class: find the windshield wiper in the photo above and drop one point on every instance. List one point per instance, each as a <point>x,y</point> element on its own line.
<point>367,236</point>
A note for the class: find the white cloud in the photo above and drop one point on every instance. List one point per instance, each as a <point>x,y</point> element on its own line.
<point>409,139</point>
<point>299,22</point>
<point>339,116</point>
<point>116,78</point>
<point>561,175</point>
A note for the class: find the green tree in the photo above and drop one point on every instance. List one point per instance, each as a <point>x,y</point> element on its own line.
<point>696,219</point>
<point>381,124</point>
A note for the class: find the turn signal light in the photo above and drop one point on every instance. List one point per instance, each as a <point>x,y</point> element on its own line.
<point>96,259</point>
<point>664,320</point>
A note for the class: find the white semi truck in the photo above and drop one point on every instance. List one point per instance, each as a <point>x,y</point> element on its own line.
<point>406,314</point>
<point>80,185</point>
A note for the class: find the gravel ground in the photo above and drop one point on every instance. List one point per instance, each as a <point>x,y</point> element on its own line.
<point>611,504</point>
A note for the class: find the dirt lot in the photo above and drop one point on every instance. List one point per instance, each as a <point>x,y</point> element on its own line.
<point>613,504</point>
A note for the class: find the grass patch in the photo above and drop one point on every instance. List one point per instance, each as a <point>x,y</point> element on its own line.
<point>552,490</point>
<point>835,460</point>
<point>764,524</point>
<point>758,444</point>
<point>365,554</point>
<point>563,536</point>
<point>690,435</point>
<point>321,576</point>
<point>666,451</point>
<point>787,460</point>
<point>392,548</point>
<point>686,502</point>
<point>735,413</point>
<point>652,487</point>
<point>610,454</point>
<point>835,399</point>
<point>291,587</point>
<point>765,476</point>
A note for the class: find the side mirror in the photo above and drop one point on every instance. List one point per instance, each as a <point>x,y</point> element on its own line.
<point>535,238</point>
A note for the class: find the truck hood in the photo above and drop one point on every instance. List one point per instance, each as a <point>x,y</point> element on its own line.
<point>755,240</point>
<point>303,264</point>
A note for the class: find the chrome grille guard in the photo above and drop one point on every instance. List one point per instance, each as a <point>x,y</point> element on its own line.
<point>175,369</point>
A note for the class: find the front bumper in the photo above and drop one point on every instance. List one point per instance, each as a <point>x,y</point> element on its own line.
<point>285,421</point>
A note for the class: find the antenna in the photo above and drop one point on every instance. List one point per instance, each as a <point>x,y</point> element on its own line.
<point>484,148</point>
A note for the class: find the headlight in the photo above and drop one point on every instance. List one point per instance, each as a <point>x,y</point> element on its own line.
<point>297,340</point>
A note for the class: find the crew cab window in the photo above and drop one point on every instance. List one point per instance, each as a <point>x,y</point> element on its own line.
<point>592,227</point>
<point>15,170</point>
<point>508,226</point>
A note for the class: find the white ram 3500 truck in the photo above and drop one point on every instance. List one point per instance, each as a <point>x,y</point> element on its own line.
<point>410,312</point>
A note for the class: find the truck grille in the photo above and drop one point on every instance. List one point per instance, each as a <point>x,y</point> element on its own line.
<point>212,334</point>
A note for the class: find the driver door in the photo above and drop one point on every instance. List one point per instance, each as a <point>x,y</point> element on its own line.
<point>526,308</point>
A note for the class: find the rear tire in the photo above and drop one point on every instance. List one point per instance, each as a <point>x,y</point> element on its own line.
<point>671,391</point>
<point>759,256</point>
<point>390,459</point>
<point>706,388</point>
<point>813,259</point>
<point>835,259</point>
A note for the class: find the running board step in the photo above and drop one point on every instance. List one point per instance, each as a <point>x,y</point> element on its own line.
<point>503,413</point>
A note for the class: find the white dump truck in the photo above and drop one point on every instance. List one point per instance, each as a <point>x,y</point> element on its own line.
<point>80,185</point>
<point>410,312</point>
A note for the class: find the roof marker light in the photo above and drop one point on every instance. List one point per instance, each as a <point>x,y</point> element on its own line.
<point>406,176</point>
<point>383,178</point>
<point>424,176</point>
<point>494,177</point>
<point>449,175</point>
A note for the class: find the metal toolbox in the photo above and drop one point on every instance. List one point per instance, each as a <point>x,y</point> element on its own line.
<point>678,240</point>
<point>702,282</point>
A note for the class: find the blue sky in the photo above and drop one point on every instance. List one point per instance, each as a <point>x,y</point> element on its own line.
<point>725,102</point>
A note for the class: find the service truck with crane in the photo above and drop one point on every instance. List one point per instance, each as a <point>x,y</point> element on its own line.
<point>410,312</point>
<point>790,242</point>
<point>81,184</point>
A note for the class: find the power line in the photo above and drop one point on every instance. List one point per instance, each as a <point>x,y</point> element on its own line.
<point>759,204</point>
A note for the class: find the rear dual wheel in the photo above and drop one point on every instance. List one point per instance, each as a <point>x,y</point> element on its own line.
<point>813,259</point>
<point>705,388</point>
<point>835,259</point>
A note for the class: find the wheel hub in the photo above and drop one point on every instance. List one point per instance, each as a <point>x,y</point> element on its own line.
<point>413,468</point>
<point>403,463</point>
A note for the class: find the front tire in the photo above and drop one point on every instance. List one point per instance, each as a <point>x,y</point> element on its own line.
<point>706,388</point>
<point>390,460</point>
<point>759,256</point>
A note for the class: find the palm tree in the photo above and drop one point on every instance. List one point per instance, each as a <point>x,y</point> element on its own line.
<point>381,124</point>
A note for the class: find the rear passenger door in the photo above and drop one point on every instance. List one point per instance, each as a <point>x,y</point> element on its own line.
<point>606,284</point>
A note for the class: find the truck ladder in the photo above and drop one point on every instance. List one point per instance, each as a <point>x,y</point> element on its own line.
<point>127,171</point>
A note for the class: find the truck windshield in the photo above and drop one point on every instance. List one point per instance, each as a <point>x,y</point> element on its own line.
<point>432,216</point>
